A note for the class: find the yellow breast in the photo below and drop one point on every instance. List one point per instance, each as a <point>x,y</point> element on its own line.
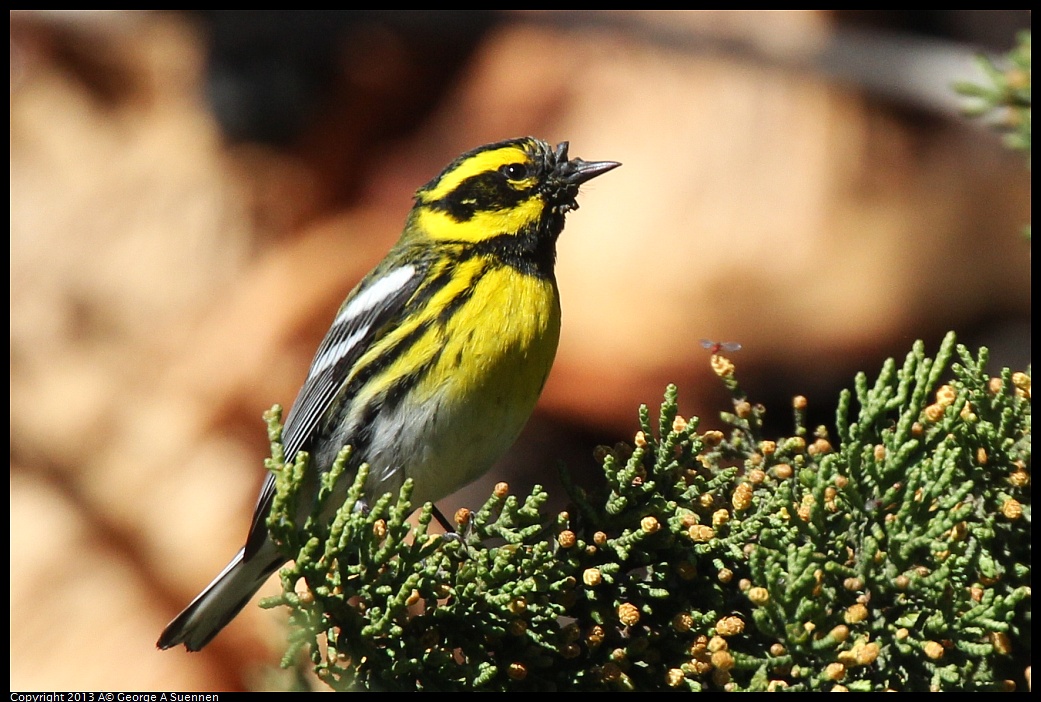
<point>497,351</point>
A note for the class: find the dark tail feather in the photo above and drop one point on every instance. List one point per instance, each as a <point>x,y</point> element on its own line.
<point>222,599</point>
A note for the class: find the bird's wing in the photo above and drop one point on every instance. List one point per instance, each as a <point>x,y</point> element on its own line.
<point>376,300</point>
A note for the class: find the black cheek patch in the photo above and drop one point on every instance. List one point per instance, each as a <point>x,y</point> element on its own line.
<point>484,192</point>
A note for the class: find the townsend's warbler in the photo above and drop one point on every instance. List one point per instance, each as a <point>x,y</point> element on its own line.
<point>435,360</point>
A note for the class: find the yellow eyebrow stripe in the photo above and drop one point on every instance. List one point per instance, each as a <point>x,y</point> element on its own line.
<point>475,165</point>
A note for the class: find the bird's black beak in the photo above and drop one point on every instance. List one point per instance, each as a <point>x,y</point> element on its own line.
<point>576,171</point>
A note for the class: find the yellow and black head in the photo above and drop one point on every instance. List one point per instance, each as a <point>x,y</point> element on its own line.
<point>516,188</point>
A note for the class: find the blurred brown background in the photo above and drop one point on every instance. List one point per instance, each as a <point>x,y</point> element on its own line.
<point>192,195</point>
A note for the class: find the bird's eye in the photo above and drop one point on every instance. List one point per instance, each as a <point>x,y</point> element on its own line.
<point>515,171</point>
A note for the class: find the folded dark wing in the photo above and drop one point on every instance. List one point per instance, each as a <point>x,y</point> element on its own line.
<point>376,301</point>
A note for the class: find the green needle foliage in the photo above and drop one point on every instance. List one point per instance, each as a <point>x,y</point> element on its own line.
<point>894,555</point>
<point>1005,98</point>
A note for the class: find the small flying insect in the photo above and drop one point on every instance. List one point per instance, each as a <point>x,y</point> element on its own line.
<point>716,346</point>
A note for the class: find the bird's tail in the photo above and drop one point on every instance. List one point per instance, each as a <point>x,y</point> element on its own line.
<point>222,599</point>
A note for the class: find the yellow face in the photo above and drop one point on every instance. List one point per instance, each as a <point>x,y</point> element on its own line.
<point>503,189</point>
<point>518,189</point>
